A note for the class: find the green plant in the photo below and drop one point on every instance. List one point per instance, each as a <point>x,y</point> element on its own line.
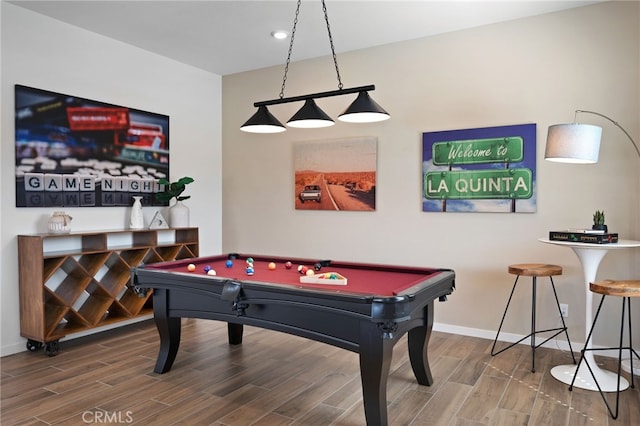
<point>598,217</point>
<point>174,189</point>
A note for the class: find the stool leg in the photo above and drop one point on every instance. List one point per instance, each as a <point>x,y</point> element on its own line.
<point>593,326</point>
<point>564,326</point>
<point>620,348</point>
<point>632,351</point>
<point>533,326</point>
<point>493,353</point>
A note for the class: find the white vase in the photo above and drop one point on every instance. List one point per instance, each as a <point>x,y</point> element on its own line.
<point>179,215</point>
<point>136,220</point>
<point>59,223</point>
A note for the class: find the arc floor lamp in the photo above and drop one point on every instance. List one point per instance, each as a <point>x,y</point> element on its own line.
<point>580,144</point>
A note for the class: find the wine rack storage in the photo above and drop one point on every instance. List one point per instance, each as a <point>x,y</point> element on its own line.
<point>74,282</point>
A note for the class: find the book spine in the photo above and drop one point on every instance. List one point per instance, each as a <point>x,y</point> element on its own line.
<point>574,237</point>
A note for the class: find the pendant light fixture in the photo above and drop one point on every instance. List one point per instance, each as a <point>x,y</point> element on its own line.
<point>362,110</point>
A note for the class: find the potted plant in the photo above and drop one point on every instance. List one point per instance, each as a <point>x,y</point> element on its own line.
<point>178,213</point>
<point>174,189</point>
<point>598,221</point>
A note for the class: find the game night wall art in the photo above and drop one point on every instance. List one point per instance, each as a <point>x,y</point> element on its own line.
<point>75,152</point>
<point>491,169</point>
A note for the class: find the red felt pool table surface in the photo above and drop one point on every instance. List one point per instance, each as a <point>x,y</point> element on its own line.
<point>369,279</point>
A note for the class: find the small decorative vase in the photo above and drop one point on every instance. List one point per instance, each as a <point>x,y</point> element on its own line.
<point>59,223</point>
<point>136,220</point>
<point>179,215</point>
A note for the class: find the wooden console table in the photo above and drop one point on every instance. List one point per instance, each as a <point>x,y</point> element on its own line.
<point>78,281</point>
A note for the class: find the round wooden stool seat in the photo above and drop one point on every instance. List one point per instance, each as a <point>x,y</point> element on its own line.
<point>620,288</point>
<point>535,269</point>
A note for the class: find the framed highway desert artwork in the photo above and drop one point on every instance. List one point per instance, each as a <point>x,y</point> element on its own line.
<point>336,174</point>
<point>491,169</point>
<point>75,152</point>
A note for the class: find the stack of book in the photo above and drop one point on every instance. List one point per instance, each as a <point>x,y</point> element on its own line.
<point>584,236</point>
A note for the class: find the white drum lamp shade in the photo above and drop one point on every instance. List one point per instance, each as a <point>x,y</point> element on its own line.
<point>573,143</point>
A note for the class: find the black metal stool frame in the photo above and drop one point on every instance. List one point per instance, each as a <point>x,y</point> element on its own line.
<point>620,348</point>
<point>533,333</point>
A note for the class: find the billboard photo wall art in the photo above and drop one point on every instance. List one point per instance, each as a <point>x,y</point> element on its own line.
<point>491,169</point>
<point>337,175</point>
<point>75,152</point>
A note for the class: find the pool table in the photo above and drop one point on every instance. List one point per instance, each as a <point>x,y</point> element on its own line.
<point>368,314</point>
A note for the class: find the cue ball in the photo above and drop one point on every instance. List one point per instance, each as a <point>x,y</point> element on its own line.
<point>211,271</point>
<point>191,267</point>
<point>310,272</point>
<point>272,266</point>
<point>288,265</point>
<point>229,263</point>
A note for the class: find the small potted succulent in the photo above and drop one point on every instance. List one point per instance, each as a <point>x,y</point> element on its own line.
<point>178,213</point>
<point>598,221</point>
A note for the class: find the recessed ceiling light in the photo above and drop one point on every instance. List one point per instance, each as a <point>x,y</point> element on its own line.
<point>280,35</point>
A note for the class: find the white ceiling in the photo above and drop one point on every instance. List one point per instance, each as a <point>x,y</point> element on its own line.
<point>226,37</point>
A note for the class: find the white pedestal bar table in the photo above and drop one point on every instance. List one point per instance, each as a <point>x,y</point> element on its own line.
<point>590,256</point>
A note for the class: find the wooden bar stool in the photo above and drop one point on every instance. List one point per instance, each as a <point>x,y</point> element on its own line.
<point>534,270</point>
<point>626,290</point>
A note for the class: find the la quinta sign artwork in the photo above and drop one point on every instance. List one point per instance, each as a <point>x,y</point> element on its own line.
<point>480,170</point>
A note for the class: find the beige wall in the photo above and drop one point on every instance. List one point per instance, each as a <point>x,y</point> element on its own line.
<point>536,70</point>
<point>45,53</point>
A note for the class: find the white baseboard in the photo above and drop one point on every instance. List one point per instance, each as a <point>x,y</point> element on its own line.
<point>556,343</point>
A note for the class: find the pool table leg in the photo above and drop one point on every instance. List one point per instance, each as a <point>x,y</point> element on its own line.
<point>169,330</point>
<point>375,362</point>
<point>234,332</point>
<point>418,342</point>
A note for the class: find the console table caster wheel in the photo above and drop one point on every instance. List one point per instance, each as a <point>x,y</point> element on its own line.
<point>33,346</point>
<point>51,348</point>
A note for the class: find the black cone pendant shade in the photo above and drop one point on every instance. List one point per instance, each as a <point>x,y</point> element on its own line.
<point>364,110</point>
<point>263,122</point>
<point>310,116</point>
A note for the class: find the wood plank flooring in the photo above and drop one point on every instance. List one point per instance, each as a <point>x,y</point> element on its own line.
<point>277,379</point>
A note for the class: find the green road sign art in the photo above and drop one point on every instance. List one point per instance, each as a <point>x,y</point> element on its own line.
<point>479,184</point>
<point>478,151</point>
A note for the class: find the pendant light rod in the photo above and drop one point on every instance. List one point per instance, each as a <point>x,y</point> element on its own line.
<point>328,94</point>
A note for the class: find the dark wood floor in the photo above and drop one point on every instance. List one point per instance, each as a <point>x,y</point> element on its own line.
<point>277,379</point>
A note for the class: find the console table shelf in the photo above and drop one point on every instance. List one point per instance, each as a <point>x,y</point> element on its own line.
<point>74,282</point>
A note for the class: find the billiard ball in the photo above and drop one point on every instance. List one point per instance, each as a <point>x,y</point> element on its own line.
<point>250,260</point>
<point>272,265</point>
<point>207,269</point>
<point>229,263</point>
<point>249,270</point>
<point>288,265</point>
<point>211,271</point>
<point>302,269</point>
<point>191,267</point>
<point>310,272</point>
<point>317,266</point>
